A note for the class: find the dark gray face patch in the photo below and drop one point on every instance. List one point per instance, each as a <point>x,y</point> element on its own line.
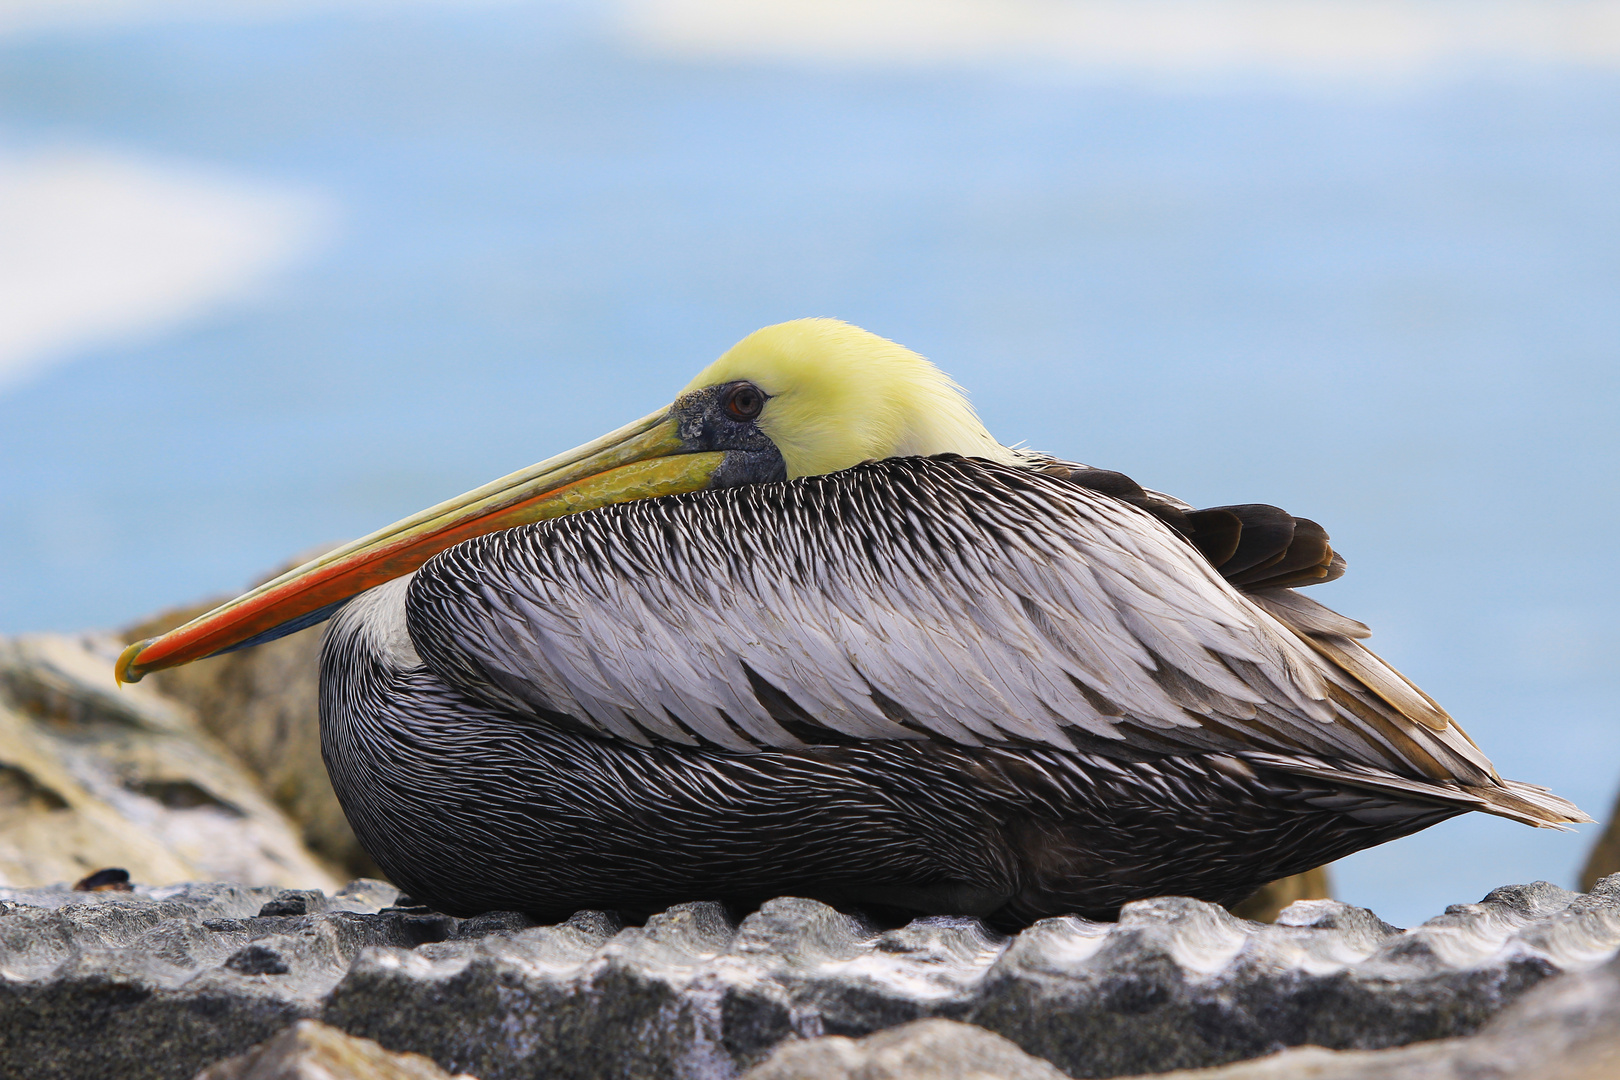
<point>706,425</point>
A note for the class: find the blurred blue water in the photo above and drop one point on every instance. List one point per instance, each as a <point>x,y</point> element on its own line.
<point>1395,309</point>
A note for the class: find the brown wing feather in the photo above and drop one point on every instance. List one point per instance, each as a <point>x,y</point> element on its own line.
<point>1254,545</point>
<point>1267,552</point>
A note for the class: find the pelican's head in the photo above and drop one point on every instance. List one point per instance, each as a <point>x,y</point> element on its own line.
<point>828,395</point>
<point>801,398</point>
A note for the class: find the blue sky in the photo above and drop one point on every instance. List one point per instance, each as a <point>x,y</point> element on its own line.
<point>280,276</point>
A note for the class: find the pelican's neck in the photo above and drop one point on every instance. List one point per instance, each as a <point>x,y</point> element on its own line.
<point>377,619</point>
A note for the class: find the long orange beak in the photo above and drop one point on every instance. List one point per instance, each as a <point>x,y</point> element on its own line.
<point>639,461</point>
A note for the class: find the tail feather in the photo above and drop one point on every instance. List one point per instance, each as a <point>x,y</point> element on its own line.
<point>1511,799</point>
<point>1553,811</point>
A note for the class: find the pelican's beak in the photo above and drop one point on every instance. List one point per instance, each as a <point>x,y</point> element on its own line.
<point>645,459</point>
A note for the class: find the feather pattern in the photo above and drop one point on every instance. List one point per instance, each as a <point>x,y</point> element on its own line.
<point>470,807</point>
<point>937,685</point>
<point>924,599</point>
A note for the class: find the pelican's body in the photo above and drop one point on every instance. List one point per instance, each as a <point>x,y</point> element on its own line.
<point>956,678</point>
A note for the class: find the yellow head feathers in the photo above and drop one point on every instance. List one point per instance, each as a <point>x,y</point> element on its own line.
<point>840,395</point>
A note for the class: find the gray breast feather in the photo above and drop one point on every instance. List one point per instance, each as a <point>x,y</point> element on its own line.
<point>913,598</point>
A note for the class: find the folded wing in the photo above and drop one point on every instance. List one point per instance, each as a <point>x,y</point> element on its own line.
<point>945,599</point>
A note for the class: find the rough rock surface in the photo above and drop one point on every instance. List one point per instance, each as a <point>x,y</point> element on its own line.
<point>1567,1028</point>
<point>1605,856</point>
<point>921,1050</point>
<point>93,776</point>
<point>1266,904</point>
<point>159,983</point>
<point>263,705</point>
<point>309,1050</point>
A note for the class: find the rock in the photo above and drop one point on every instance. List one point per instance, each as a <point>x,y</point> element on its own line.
<point>310,1050</point>
<point>1565,1029</point>
<point>263,705</point>
<point>1568,1028</point>
<point>167,980</point>
<point>1423,1061</point>
<point>1266,904</point>
<point>920,1050</point>
<point>93,777</point>
<point>1605,857</point>
<point>170,980</point>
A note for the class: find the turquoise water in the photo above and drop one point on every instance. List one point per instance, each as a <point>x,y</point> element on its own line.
<point>1394,308</point>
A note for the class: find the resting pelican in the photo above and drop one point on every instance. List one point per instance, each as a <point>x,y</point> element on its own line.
<point>812,630</point>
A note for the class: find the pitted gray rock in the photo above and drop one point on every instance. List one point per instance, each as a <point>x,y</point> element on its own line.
<point>160,982</point>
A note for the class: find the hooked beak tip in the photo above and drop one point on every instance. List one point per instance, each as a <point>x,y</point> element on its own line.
<point>126,671</point>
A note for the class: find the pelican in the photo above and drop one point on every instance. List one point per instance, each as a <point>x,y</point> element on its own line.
<point>812,630</point>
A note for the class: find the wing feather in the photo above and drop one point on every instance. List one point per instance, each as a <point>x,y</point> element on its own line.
<point>937,598</point>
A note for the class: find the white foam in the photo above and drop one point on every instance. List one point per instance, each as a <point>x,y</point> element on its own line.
<point>1307,37</point>
<point>98,246</point>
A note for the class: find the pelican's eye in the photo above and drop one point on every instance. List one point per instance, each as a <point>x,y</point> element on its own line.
<point>744,401</point>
